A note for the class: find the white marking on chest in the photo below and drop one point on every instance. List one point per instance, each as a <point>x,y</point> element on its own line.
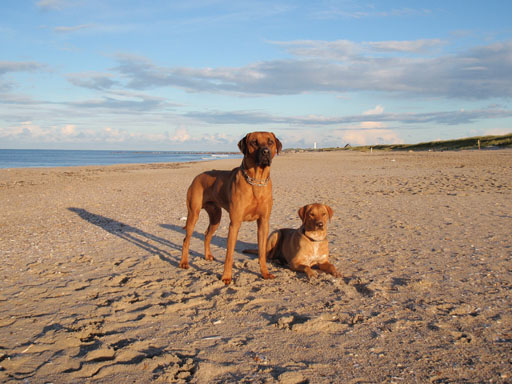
<point>316,256</point>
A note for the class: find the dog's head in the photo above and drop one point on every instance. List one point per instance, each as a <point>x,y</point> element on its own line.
<point>261,147</point>
<point>314,220</point>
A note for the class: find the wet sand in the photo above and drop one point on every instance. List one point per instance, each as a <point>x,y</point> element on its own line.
<point>90,289</point>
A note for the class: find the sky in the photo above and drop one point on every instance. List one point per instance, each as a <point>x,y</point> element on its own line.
<point>200,74</point>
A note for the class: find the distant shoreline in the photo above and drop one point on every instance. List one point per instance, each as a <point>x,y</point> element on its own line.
<point>47,158</point>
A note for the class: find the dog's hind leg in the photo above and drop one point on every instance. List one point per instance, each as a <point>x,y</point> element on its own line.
<point>215,214</point>
<point>194,207</point>
<point>272,245</point>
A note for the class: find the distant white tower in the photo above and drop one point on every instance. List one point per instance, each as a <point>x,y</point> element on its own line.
<point>314,145</point>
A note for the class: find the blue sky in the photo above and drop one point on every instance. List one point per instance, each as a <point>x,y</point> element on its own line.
<point>199,74</point>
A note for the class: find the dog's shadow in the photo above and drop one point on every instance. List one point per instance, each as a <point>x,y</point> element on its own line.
<point>146,240</point>
<point>134,235</point>
<point>218,241</point>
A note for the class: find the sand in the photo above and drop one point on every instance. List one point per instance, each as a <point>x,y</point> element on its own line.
<point>90,289</point>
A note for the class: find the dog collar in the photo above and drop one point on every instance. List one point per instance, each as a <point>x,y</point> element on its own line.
<point>251,181</point>
<point>303,232</point>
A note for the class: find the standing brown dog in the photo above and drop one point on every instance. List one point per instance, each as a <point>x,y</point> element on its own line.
<point>245,192</point>
<point>307,246</point>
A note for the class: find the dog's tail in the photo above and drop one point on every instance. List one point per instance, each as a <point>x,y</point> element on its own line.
<point>272,246</point>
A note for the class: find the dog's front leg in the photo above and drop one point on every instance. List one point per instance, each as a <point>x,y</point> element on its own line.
<point>329,268</point>
<point>262,247</point>
<point>304,268</point>
<point>234,227</point>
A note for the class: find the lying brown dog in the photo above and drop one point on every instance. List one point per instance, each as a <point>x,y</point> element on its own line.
<point>307,246</point>
<point>245,192</point>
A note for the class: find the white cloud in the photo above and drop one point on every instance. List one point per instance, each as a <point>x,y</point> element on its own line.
<point>338,49</point>
<point>362,134</point>
<point>68,130</point>
<point>370,137</point>
<point>360,10</point>
<point>93,80</point>
<point>378,110</point>
<point>181,135</point>
<point>52,4</point>
<point>124,101</point>
<point>497,131</point>
<point>25,128</point>
<point>30,132</point>
<point>320,66</point>
<point>114,134</point>
<point>377,114</point>
<point>19,66</point>
<point>15,66</point>
<point>413,46</point>
<point>373,125</point>
<point>69,29</point>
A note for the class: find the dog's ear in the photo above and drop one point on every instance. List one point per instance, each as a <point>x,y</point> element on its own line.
<point>279,146</point>
<point>242,144</point>
<point>302,212</point>
<point>329,211</point>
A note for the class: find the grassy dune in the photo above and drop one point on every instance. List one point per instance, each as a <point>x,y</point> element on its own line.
<point>502,141</point>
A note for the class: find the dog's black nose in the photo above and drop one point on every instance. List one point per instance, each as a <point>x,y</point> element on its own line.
<point>320,224</point>
<point>264,156</point>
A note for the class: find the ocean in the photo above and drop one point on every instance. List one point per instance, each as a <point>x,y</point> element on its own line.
<point>35,158</point>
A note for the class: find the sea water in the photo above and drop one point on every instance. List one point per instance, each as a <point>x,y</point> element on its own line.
<point>33,158</point>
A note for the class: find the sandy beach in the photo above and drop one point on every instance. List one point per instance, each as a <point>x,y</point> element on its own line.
<point>90,289</point>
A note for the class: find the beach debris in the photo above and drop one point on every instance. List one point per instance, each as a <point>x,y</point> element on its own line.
<point>211,338</point>
<point>26,349</point>
<point>285,322</point>
<point>259,358</point>
<point>291,377</point>
<point>465,310</point>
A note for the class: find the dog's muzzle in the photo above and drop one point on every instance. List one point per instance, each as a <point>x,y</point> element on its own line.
<point>264,157</point>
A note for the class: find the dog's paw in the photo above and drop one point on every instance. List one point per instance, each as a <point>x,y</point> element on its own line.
<point>311,274</point>
<point>184,265</point>
<point>267,276</point>
<point>209,257</point>
<point>226,280</point>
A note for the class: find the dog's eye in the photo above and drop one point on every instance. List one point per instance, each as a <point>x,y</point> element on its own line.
<point>254,143</point>
<point>270,142</point>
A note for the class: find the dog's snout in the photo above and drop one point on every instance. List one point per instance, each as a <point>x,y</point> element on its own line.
<point>320,224</point>
<point>264,156</point>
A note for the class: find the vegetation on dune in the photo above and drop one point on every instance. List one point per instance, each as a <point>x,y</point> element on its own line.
<point>502,141</point>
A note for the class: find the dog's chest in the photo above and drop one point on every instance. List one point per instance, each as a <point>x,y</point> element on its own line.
<point>258,205</point>
<point>318,253</point>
